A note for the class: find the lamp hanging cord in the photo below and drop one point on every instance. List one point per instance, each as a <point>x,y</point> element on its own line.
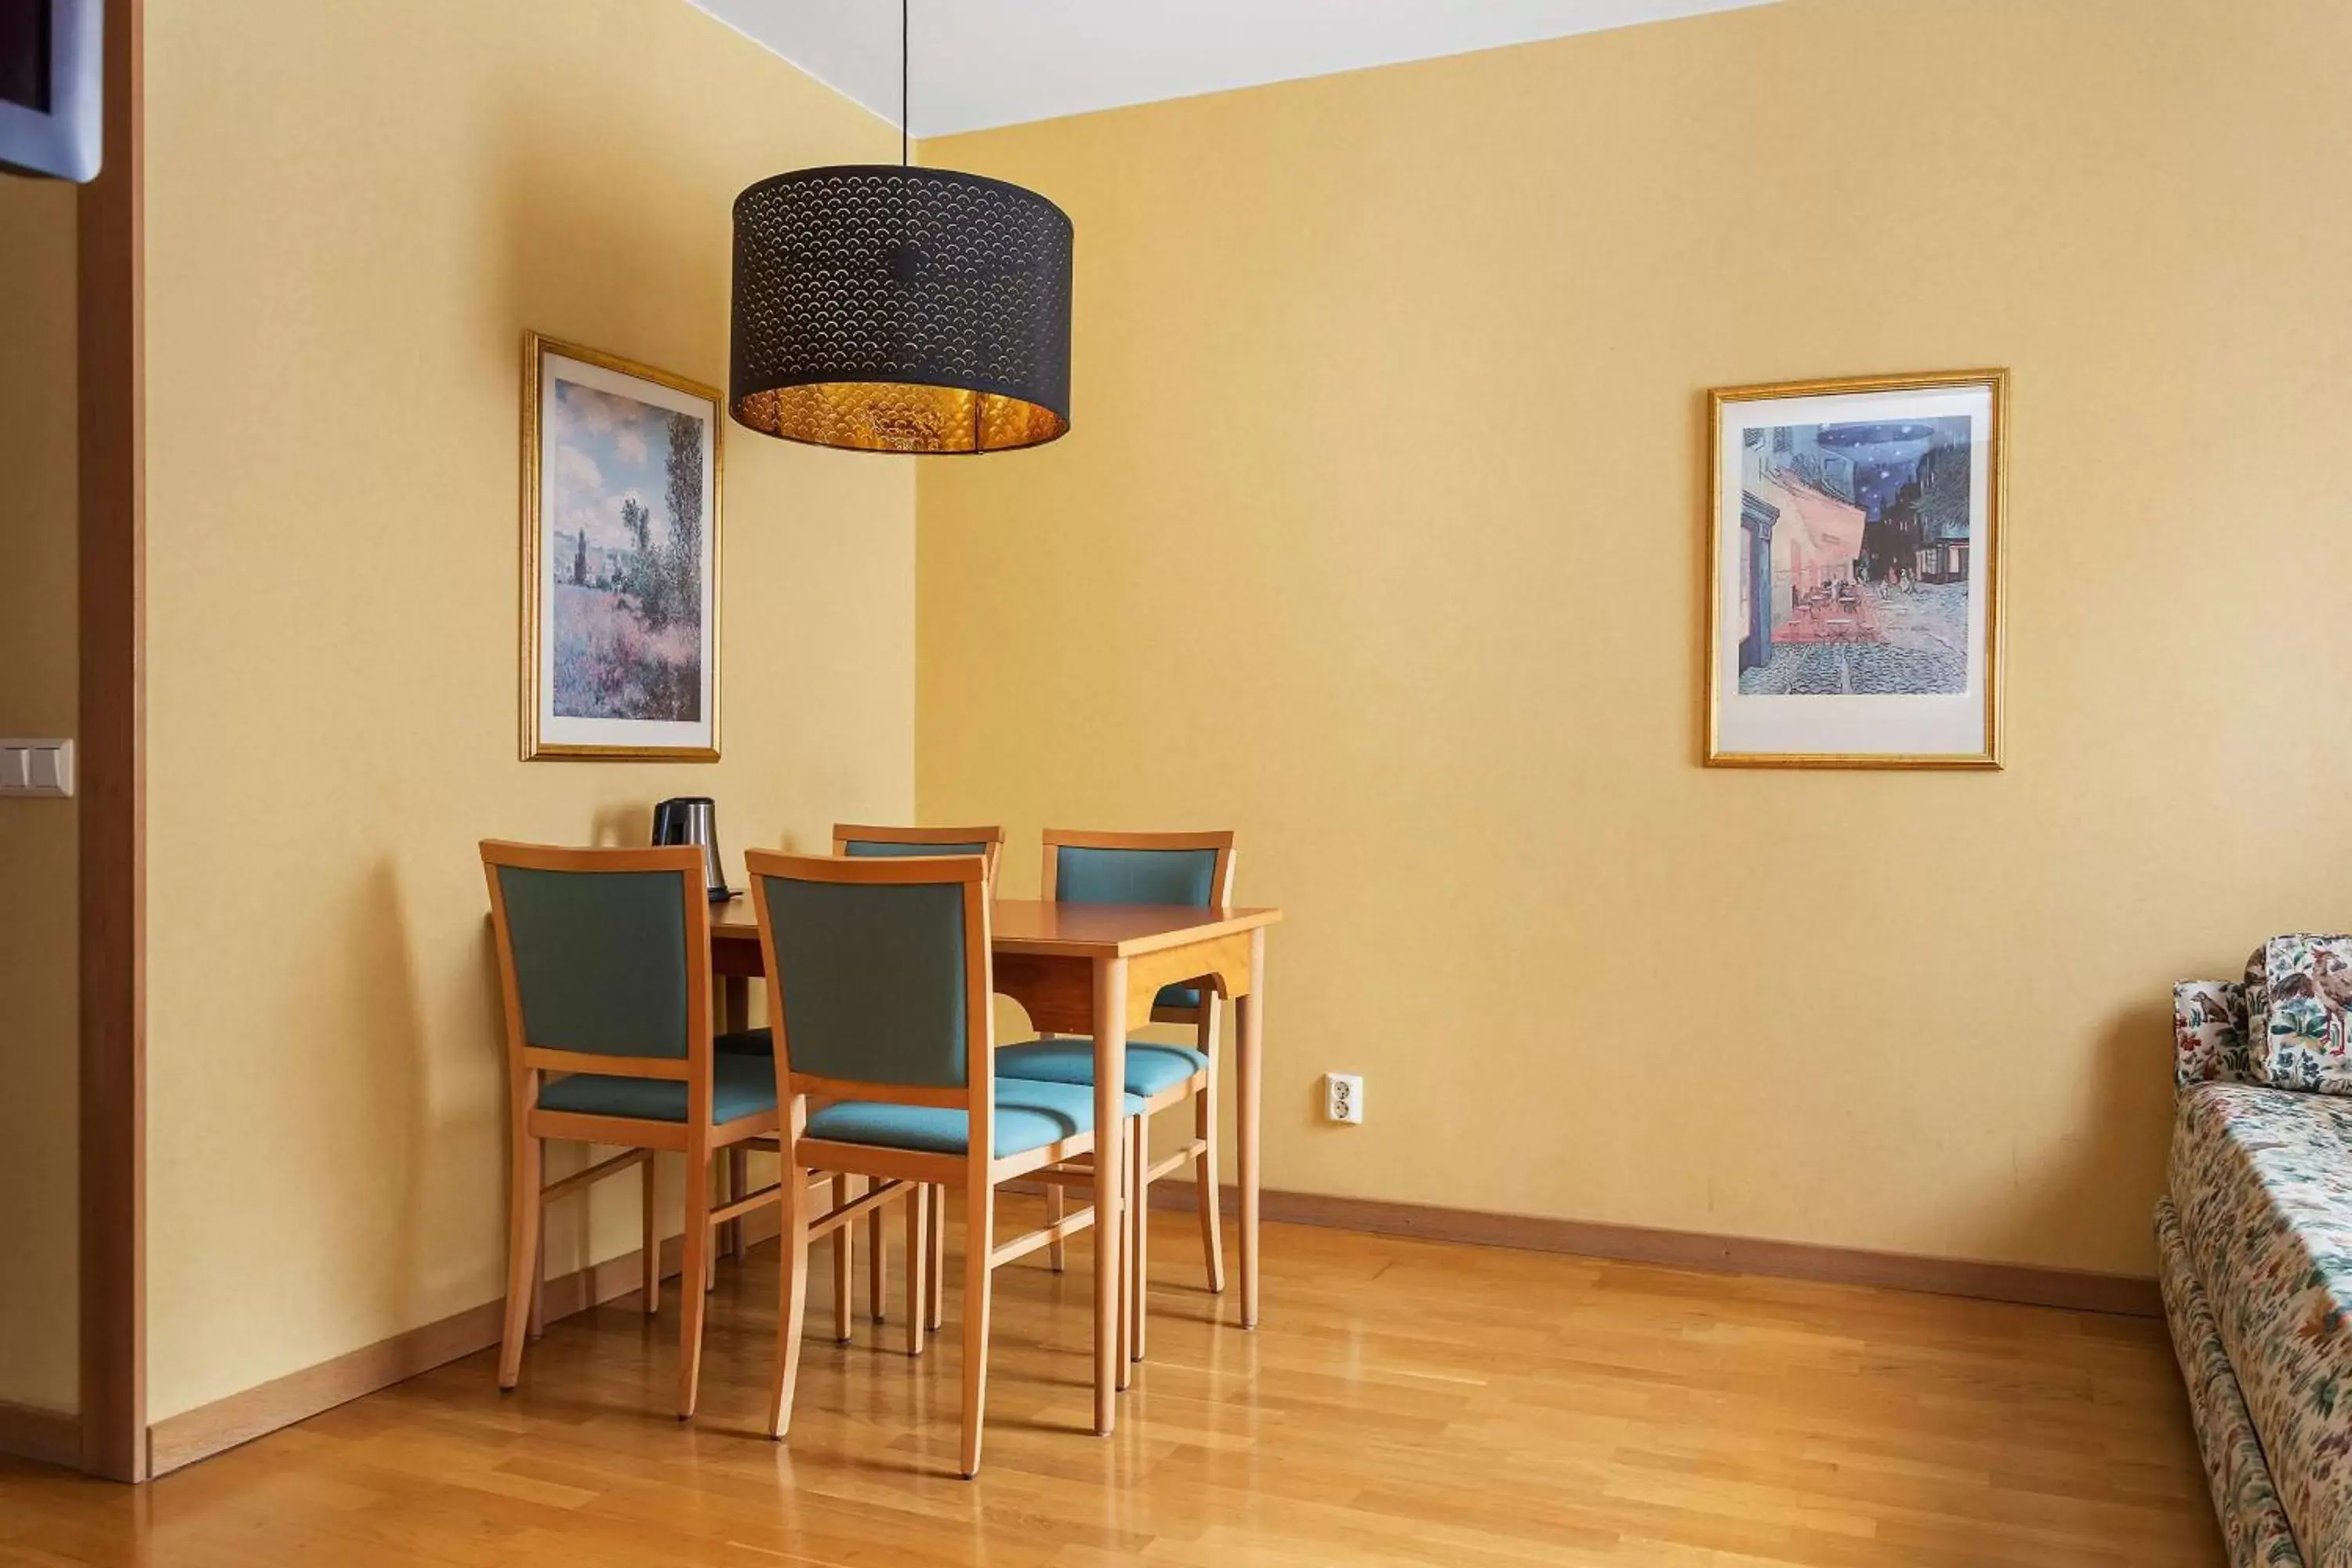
<point>903,48</point>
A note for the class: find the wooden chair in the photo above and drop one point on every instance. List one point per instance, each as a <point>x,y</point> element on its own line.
<point>604,964</point>
<point>879,993</point>
<point>870,841</point>
<point>1193,868</point>
<point>863,841</point>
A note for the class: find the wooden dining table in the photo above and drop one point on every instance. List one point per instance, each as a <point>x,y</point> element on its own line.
<point>1095,969</point>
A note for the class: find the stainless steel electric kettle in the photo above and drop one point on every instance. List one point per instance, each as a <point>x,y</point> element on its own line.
<point>690,819</point>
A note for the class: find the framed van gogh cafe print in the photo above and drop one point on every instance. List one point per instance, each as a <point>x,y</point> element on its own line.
<point>1853,602</point>
<point>620,558</point>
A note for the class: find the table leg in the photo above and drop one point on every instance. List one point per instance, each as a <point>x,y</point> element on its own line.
<point>735,999</point>
<point>1248,1054</point>
<point>1110,1079</point>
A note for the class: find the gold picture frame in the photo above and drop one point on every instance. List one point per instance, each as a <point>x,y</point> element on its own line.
<point>602,434</point>
<point>1770,701</point>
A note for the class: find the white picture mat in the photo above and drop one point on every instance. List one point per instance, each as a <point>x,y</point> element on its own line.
<point>1946,724</point>
<point>572,732</point>
<point>68,141</point>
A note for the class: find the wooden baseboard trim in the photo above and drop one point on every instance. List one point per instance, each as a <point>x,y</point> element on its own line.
<point>2025,1284</point>
<point>50,1436</point>
<point>210,1429</point>
<point>199,1434</point>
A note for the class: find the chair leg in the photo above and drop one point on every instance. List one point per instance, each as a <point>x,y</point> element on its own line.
<point>1204,1175</point>
<point>878,1260</point>
<point>919,1247</point>
<point>652,1254</point>
<point>935,1277</point>
<point>537,1327</point>
<point>979,1241</point>
<point>523,1253</point>
<point>792,1302</point>
<point>1125,1245</point>
<point>842,1264</point>
<point>712,1176</point>
<point>1139,1216</point>
<point>1055,1257</point>
<point>739,1182</point>
<point>697,1261</point>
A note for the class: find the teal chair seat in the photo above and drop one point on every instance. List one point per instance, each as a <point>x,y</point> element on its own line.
<point>1029,1115</point>
<point>1177,996</point>
<point>741,1086</point>
<point>758,1043</point>
<point>745,1043</point>
<point>1151,1068</point>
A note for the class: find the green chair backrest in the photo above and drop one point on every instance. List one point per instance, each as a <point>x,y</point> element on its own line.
<point>1083,875</point>
<point>600,959</point>
<point>872,979</point>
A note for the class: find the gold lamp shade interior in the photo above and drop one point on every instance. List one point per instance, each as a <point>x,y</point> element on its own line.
<point>900,416</point>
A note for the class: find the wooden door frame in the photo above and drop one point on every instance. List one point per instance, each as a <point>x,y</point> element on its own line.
<point>111,311</point>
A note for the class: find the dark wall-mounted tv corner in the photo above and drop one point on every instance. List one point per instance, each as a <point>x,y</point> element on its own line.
<point>49,87</point>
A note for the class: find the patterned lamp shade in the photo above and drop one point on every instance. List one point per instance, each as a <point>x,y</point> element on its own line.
<point>887,309</point>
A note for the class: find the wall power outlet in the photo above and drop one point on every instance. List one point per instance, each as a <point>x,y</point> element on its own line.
<point>1343,1097</point>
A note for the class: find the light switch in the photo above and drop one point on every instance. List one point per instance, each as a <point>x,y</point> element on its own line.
<point>36,768</point>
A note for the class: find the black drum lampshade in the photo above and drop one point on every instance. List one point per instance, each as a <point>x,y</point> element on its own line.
<point>887,309</point>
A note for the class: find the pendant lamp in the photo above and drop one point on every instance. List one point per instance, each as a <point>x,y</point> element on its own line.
<point>885,307</point>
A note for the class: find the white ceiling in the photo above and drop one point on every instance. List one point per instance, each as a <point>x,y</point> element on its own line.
<point>980,63</point>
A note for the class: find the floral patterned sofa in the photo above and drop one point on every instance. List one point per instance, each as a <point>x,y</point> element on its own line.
<point>2255,1237</point>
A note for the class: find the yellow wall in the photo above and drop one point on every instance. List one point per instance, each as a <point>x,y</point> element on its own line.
<point>355,210</point>
<point>1379,539</point>
<point>39,1048</point>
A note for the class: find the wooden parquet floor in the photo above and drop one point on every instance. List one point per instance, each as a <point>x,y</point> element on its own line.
<point>1405,1402</point>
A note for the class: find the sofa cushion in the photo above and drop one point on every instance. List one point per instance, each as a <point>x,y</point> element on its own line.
<point>2208,1033</point>
<point>2299,1012</point>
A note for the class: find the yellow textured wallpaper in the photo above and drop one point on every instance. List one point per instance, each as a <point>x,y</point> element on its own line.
<point>1378,538</point>
<point>40,1045</point>
<point>355,210</point>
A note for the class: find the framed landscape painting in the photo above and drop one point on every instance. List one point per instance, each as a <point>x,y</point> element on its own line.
<point>1854,598</point>
<point>620,558</point>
